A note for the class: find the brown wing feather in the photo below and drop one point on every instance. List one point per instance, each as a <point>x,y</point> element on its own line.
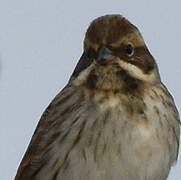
<point>36,153</point>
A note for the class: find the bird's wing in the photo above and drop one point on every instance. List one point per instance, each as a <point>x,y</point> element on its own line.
<point>174,125</point>
<point>48,129</point>
<point>64,109</point>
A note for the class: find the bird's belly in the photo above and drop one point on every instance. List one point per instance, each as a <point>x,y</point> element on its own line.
<point>132,153</point>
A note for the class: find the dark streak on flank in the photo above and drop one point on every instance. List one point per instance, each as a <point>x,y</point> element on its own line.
<point>70,128</point>
<point>156,94</point>
<point>66,165</point>
<point>104,122</point>
<point>106,118</point>
<point>55,115</point>
<point>47,110</point>
<point>63,100</point>
<point>51,110</point>
<point>97,145</point>
<point>177,140</point>
<point>55,175</point>
<point>66,111</point>
<point>76,141</point>
<point>63,168</point>
<point>52,139</point>
<point>104,149</point>
<point>38,148</point>
<point>92,128</point>
<point>63,138</point>
<point>84,154</point>
<point>119,149</point>
<point>156,110</point>
<point>38,170</point>
<point>141,111</point>
<point>94,124</point>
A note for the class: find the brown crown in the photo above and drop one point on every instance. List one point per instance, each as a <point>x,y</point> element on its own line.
<point>107,29</point>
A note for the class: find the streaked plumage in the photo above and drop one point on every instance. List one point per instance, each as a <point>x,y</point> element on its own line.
<point>113,120</point>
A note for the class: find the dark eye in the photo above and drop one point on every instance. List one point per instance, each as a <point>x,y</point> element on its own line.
<point>129,49</point>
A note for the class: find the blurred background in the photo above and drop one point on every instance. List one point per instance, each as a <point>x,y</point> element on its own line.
<point>40,44</point>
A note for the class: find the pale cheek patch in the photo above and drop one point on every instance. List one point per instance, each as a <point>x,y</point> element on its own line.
<point>136,72</point>
<point>82,77</point>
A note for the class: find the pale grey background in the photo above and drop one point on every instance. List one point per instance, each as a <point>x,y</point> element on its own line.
<point>40,43</point>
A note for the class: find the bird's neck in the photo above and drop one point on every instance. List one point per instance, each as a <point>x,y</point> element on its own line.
<point>109,79</point>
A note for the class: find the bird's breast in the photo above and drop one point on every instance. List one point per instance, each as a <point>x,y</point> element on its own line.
<point>118,137</point>
<point>129,138</point>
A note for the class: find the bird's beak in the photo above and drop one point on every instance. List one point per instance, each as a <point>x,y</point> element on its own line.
<point>104,56</point>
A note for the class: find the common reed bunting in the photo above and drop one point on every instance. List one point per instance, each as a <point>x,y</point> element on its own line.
<point>114,120</point>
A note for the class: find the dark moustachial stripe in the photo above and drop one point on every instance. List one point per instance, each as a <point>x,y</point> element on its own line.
<point>131,84</point>
<point>91,80</point>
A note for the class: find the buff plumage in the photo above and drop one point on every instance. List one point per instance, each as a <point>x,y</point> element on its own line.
<point>113,120</point>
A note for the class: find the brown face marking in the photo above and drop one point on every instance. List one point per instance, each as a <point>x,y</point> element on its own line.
<point>115,33</point>
<point>140,58</point>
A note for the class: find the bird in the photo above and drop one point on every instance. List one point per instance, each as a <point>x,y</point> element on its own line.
<point>114,120</point>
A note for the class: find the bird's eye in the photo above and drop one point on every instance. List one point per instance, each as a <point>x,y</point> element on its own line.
<point>129,50</point>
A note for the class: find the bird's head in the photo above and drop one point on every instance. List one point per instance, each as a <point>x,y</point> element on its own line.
<point>115,57</point>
